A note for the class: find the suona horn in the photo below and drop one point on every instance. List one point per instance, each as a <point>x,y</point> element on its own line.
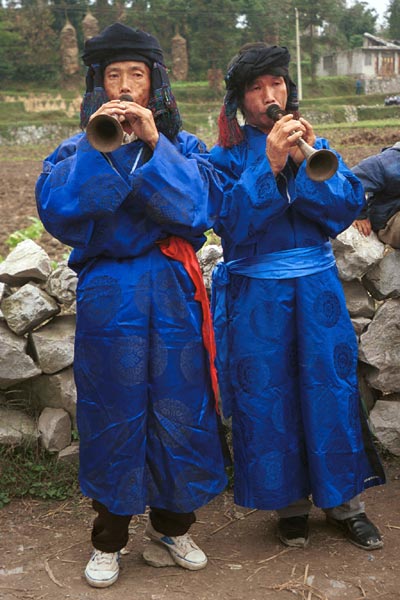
<point>105,133</point>
<point>320,164</point>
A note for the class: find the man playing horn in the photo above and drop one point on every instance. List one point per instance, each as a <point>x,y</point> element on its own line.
<point>286,348</point>
<point>146,386</point>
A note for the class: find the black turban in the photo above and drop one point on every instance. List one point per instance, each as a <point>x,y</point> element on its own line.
<point>258,59</point>
<point>117,43</point>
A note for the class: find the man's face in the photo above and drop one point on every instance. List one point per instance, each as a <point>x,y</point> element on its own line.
<point>128,77</point>
<point>261,93</point>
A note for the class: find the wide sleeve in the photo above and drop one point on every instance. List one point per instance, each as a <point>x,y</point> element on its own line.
<point>371,173</point>
<point>78,186</point>
<point>252,195</point>
<point>178,187</point>
<point>334,203</point>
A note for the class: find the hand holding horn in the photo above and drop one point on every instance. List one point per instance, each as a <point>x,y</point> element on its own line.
<point>320,164</point>
<point>104,132</point>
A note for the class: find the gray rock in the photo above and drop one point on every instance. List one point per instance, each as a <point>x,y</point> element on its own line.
<point>358,301</point>
<point>385,421</point>
<point>62,284</point>
<point>17,428</point>
<point>27,262</point>
<point>383,280</point>
<point>56,391</point>
<point>53,344</point>
<point>70,454</point>
<point>380,348</point>
<point>156,555</point>
<point>55,428</point>
<point>27,308</point>
<point>360,324</point>
<point>355,254</point>
<point>15,365</point>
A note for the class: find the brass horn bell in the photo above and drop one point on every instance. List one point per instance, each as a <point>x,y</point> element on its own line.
<point>320,164</point>
<point>105,133</point>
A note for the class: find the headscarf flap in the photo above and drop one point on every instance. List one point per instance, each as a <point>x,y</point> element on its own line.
<point>251,62</point>
<point>117,43</point>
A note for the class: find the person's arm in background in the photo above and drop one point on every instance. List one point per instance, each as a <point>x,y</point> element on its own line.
<point>371,173</point>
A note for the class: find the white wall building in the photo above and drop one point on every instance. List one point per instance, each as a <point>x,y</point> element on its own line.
<point>376,63</point>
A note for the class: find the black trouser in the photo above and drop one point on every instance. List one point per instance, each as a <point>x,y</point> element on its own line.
<point>110,532</point>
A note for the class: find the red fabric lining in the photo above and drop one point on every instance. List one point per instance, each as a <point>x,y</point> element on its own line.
<point>180,249</point>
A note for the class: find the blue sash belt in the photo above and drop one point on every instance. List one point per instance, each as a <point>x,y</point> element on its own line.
<point>286,264</point>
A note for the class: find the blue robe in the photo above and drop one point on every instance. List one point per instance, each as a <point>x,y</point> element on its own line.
<point>145,408</point>
<point>287,367</point>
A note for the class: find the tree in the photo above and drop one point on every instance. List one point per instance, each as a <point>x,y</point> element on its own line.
<point>393,19</point>
<point>313,17</point>
<point>32,44</point>
<point>272,22</point>
<point>9,42</point>
<point>357,20</point>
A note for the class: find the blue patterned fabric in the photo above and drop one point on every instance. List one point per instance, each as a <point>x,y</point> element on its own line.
<point>146,416</point>
<point>290,379</point>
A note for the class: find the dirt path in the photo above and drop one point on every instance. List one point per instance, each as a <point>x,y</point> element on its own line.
<point>44,547</point>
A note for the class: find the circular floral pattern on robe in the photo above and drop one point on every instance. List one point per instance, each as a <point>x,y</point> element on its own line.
<point>252,374</point>
<point>101,299</point>
<point>343,358</point>
<point>327,309</point>
<point>170,206</point>
<point>173,422</point>
<point>266,187</point>
<point>168,296</point>
<point>98,194</point>
<point>128,357</point>
<point>132,490</point>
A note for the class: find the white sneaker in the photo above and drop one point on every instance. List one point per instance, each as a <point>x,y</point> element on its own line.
<point>181,547</point>
<point>102,569</point>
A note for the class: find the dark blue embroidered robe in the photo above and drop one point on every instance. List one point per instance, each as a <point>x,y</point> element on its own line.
<point>288,370</point>
<point>146,416</point>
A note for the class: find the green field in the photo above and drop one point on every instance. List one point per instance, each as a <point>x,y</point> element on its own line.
<point>329,105</point>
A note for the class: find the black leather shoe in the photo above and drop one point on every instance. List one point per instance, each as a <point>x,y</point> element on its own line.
<point>360,531</point>
<point>293,531</point>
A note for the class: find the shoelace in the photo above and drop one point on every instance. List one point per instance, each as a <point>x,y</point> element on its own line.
<point>185,543</point>
<point>104,558</point>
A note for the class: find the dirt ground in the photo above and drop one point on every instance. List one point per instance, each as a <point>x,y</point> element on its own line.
<point>44,546</point>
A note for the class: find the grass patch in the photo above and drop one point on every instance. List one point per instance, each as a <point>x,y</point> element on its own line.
<point>32,472</point>
<point>373,124</point>
<point>32,232</point>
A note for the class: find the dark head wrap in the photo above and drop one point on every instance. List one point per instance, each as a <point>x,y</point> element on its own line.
<point>252,61</point>
<point>118,43</point>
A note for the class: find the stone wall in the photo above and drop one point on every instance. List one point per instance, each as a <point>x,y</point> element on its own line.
<point>37,325</point>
